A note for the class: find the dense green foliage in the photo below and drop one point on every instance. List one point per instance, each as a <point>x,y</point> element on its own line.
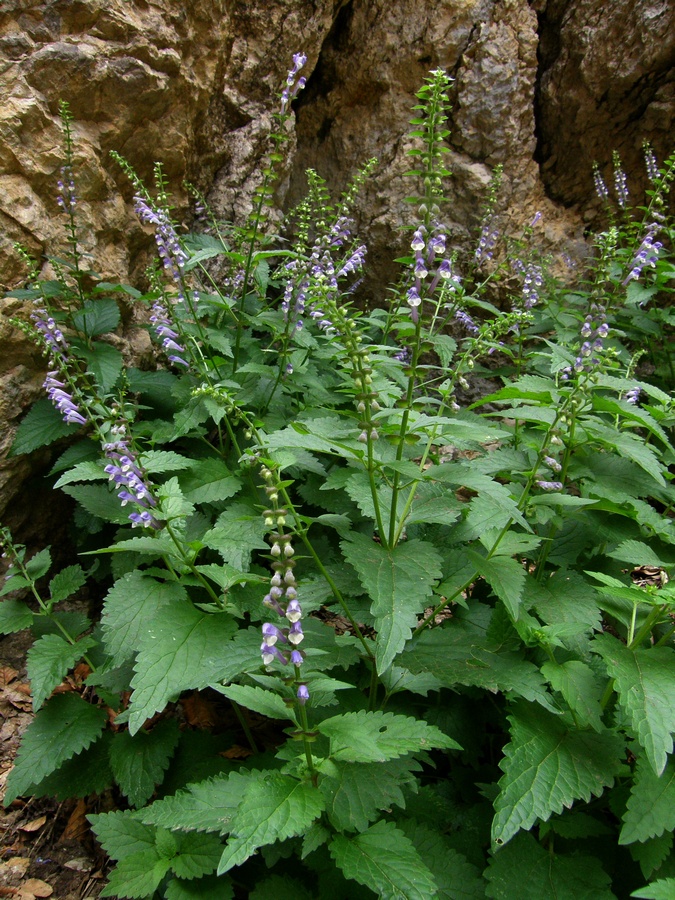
<point>467,681</point>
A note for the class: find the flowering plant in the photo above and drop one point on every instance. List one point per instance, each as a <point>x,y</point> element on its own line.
<point>444,632</point>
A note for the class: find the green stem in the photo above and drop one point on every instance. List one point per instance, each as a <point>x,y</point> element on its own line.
<point>244,726</point>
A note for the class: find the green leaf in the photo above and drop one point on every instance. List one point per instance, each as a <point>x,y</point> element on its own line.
<point>259,700</point>
<point>138,762</point>
<point>547,766</point>
<point>651,806</point>
<point>138,875</point>
<point>505,576</point>
<point>42,425</point>
<point>237,533</point>
<point>173,503</point>
<point>645,683</point>
<point>386,861</point>
<point>207,806</point>
<point>97,317</point>
<point>66,725</point>
<point>637,553</point>
<point>100,501</point>
<point>212,887</point>
<point>581,689</point>
<point>156,462</point>
<point>122,834</point>
<point>528,871</point>
<point>210,482</point>
<point>628,446</point>
<point>104,362</point>
<point>662,889</point>
<point>455,876</point>
<point>14,616</point>
<point>652,853</point>
<point>462,653</point>
<point>399,582</point>
<point>39,565</point>
<point>182,649</point>
<point>48,660</point>
<point>378,736</point>
<point>66,583</point>
<point>88,772</point>
<point>130,604</point>
<point>274,807</point>
<point>196,855</point>
<point>355,793</point>
<point>87,470</point>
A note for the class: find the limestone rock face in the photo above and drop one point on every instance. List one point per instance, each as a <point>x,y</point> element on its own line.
<point>541,86</point>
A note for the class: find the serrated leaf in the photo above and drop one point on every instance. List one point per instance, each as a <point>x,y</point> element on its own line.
<point>130,604</point>
<point>259,700</point>
<point>14,616</point>
<point>104,362</point>
<point>66,583</point>
<point>355,793</point>
<point>66,725</point>
<point>87,470</point>
<point>42,425</point>
<point>456,878</point>
<point>237,533</point>
<point>628,446</point>
<point>39,565</point>
<point>212,887</point>
<point>637,553</point>
<point>661,889</point>
<point>138,875</point>
<point>526,870</point>
<point>210,482</point>
<point>156,462</point>
<point>399,582</point>
<point>547,766</point>
<point>384,860</point>
<point>99,501</point>
<point>173,502</point>
<point>88,772</point>
<point>138,762</point>
<point>580,687</point>
<point>461,653</point>
<point>48,661</point>
<point>652,853</point>
<point>379,736</point>
<point>97,316</point>
<point>505,576</point>
<point>207,806</point>
<point>274,807</point>
<point>183,649</point>
<point>651,806</point>
<point>122,833</point>
<point>197,855</point>
<point>645,682</point>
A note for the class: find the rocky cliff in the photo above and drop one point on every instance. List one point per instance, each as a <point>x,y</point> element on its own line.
<point>543,87</point>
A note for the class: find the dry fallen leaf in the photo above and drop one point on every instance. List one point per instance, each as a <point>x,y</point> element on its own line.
<point>35,887</point>
<point>199,713</point>
<point>77,826</point>
<point>14,867</point>
<point>7,674</point>
<point>80,864</point>
<point>34,824</point>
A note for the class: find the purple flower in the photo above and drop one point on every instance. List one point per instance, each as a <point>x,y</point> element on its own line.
<point>620,184</point>
<point>650,163</point>
<point>550,485</point>
<point>647,254</point>
<point>303,694</point>
<point>487,241</point>
<point>129,479</point>
<point>466,321</point>
<point>632,396</point>
<point>600,186</point>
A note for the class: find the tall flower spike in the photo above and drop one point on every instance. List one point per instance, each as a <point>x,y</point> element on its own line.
<point>282,642</point>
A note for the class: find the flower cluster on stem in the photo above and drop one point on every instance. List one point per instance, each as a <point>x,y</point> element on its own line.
<point>647,254</point>
<point>126,473</point>
<point>593,331</point>
<point>282,642</point>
